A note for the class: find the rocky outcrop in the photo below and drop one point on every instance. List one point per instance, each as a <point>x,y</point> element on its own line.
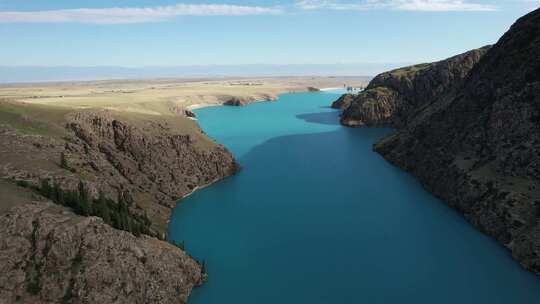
<point>344,101</point>
<point>190,114</point>
<point>152,162</point>
<point>242,101</point>
<point>393,98</point>
<point>237,101</point>
<point>477,146</point>
<point>50,255</point>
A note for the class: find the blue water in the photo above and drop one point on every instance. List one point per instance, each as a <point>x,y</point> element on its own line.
<point>316,216</point>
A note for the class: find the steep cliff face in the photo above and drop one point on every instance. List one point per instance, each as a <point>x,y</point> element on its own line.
<point>343,102</point>
<point>151,162</point>
<point>393,98</point>
<point>48,255</point>
<point>478,146</point>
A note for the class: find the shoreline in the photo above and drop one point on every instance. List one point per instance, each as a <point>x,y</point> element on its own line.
<point>196,106</point>
<point>201,105</point>
<point>328,89</point>
<point>206,105</point>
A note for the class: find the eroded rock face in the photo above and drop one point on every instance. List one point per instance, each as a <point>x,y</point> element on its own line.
<point>242,101</point>
<point>343,102</point>
<point>478,145</point>
<point>236,101</point>
<point>150,161</point>
<point>392,98</point>
<point>50,255</point>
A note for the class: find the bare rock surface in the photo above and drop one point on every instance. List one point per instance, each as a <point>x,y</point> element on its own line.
<point>392,98</point>
<point>242,101</point>
<point>150,161</point>
<point>344,101</point>
<point>50,255</point>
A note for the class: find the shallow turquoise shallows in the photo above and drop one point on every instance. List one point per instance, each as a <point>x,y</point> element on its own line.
<point>315,216</point>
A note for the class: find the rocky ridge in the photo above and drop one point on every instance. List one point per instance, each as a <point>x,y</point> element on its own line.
<point>242,101</point>
<point>148,162</point>
<point>475,143</point>
<point>392,98</point>
<point>344,101</point>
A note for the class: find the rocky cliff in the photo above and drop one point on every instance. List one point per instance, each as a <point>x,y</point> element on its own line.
<point>477,145</point>
<point>392,98</point>
<point>153,163</point>
<point>242,101</point>
<point>344,101</point>
<point>48,255</point>
<point>130,170</point>
<point>150,161</point>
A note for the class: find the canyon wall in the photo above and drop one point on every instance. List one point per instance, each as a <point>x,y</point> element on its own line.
<point>469,129</point>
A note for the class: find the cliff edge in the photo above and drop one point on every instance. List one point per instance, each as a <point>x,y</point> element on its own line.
<point>475,142</point>
<point>86,198</point>
<point>393,98</point>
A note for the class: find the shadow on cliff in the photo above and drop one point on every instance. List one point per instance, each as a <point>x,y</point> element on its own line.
<point>325,118</point>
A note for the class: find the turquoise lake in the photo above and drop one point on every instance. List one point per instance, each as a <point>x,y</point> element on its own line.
<point>315,216</point>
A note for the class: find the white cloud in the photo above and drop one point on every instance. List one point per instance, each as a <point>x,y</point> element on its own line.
<point>404,5</point>
<point>131,15</point>
<point>339,5</point>
<point>441,5</point>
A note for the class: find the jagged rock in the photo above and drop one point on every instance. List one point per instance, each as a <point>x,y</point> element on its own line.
<point>150,161</point>
<point>153,163</point>
<point>50,255</point>
<point>391,98</point>
<point>343,102</point>
<point>237,101</point>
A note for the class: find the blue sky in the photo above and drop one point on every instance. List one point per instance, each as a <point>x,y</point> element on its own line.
<point>140,33</point>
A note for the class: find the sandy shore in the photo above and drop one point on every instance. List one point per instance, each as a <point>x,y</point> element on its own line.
<point>196,106</point>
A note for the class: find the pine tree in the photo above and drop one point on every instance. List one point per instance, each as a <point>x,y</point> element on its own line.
<point>83,202</point>
<point>102,208</point>
<point>58,194</point>
<point>46,189</point>
<point>136,229</point>
<point>63,161</point>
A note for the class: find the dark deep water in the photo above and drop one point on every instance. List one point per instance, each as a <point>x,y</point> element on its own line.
<point>316,216</point>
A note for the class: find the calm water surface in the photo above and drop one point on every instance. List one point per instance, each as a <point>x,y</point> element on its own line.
<point>316,217</point>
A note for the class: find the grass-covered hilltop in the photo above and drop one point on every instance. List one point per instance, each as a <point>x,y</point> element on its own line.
<point>468,128</point>
<point>89,174</point>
